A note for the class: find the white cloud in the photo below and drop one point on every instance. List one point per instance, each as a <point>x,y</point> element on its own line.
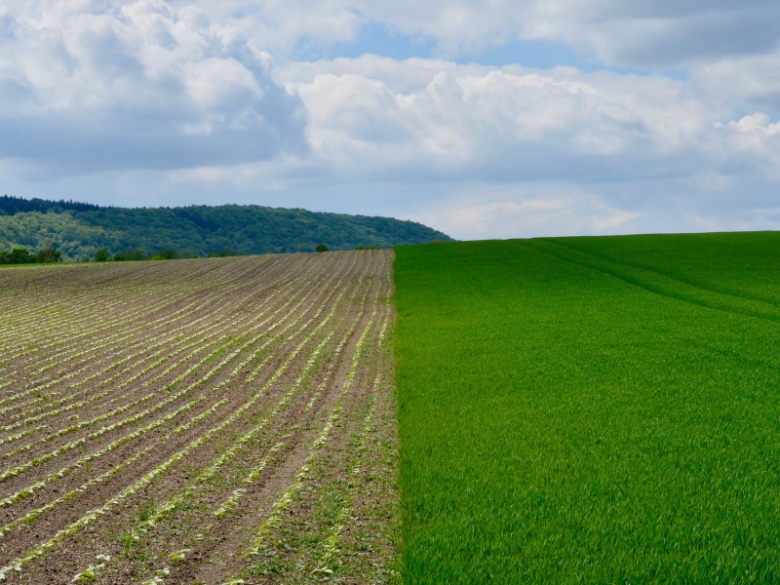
<point>90,85</point>
<point>756,139</point>
<point>623,32</point>
<point>624,153</point>
<point>183,101</point>
<point>510,124</point>
<point>542,210</point>
<point>747,83</point>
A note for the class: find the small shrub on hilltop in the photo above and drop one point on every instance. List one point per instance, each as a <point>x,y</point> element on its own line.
<point>223,253</point>
<point>130,254</point>
<point>102,255</point>
<point>168,254</point>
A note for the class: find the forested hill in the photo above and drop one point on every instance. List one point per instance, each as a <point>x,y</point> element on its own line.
<point>77,230</point>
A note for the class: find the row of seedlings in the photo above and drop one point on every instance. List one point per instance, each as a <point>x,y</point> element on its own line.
<point>231,355</point>
<point>201,487</point>
<point>160,469</point>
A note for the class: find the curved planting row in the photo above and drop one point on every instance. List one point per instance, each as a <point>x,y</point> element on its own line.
<point>132,449</point>
<point>171,385</point>
<point>112,320</point>
<point>63,347</point>
<point>199,339</point>
<point>89,317</point>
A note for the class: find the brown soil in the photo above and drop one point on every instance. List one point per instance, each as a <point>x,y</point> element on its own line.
<point>260,319</point>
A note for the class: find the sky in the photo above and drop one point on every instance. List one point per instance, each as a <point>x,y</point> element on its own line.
<point>489,119</point>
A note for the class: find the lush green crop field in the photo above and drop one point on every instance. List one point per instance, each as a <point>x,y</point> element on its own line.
<point>596,410</point>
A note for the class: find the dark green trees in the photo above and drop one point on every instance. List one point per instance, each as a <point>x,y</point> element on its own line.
<point>102,255</point>
<point>78,230</point>
<point>168,254</point>
<point>130,254</point>
<point>22,256</point>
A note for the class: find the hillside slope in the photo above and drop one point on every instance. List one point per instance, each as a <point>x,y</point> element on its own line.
<point>78,229</point>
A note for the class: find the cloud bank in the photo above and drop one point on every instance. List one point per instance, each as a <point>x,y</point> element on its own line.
<point>96,85</point>
<point>667,122</point>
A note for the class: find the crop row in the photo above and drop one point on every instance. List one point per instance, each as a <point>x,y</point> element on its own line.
<point>88,325</point>
<point>304,483</point>
<point>79,311</point>
<point>193,341</point>
<point>170,386</point>
<point>165,343</point>
<point>195,374</point>
<point>78,350</point>
<point>81,351</point>
<point>281,504</point>
<point>14,471</point>
<point>92,515</point>
<point>238,443</point>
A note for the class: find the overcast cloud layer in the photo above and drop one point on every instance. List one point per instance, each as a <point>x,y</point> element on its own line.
<point>519,119</point>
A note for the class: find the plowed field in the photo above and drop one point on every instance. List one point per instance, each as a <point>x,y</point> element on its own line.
<point>201,421</point>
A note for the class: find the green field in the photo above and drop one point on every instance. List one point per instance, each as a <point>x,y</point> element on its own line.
<point>595,410</point>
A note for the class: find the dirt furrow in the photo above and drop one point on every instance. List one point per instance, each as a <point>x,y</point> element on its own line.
<point>207,446</point>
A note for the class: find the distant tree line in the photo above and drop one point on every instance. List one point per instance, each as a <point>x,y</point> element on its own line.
<point>22,256</point>
<point>49,254</point>
<point>12,205</point>
<point>136,254</point>
<point>78,230</point>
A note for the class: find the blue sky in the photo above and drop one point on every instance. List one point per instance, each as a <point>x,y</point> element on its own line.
<point>379,39</point>
<point>501,119</point>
